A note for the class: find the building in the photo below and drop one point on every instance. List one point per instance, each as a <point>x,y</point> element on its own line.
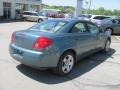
<point>11,9</point>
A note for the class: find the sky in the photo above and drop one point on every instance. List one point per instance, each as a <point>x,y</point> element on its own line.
<point>107,4</point>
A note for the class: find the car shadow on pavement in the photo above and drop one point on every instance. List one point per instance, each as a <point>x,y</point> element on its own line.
<point>83,66</point>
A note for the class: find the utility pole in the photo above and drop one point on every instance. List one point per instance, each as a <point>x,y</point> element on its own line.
<point>79,7</point>
<point>86,4</point>
<point>90,6</point>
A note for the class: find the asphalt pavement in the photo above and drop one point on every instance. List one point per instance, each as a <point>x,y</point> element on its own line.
<point>97,72</point>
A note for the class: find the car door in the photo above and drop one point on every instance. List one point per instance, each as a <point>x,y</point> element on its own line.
<point>35,17</point>
<point>29,14</point>
<point>82,37</point>
<point>95,33</point>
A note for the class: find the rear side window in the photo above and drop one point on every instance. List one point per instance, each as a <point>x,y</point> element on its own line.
<point>25,13</point>
<point>100,17</point>
<point>79,27</point>
<point>93,28</point>
<point>28,13</point>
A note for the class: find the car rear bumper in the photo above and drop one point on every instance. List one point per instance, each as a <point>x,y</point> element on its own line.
<point>32,58</point>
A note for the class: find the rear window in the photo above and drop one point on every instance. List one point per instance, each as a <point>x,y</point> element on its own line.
<point>49,26</point>
<point>100,17</point>
<point>28,13</point>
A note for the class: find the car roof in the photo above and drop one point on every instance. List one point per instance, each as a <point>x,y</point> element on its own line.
<point>99,16</point>
<point>68,19</point>
<point>31,11</point>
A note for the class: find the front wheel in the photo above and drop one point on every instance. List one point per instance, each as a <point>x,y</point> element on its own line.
<point>108,31</point>
<point>24,19</point>
<point>107,46</point>
<point>40,20</point>
<point>65,64</point>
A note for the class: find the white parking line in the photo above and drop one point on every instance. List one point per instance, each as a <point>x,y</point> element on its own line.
<point>117,37</point>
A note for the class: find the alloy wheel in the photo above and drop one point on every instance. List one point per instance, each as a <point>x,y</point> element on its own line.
<point>67,64</point>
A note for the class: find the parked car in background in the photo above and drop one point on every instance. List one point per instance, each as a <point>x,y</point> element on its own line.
<point>34,16</point>
<point>84,17</point>
<point>98,18</point>
<point>57,44</point>
<point>111,25</point>
<point>53,13</point>
<point>69,16</point>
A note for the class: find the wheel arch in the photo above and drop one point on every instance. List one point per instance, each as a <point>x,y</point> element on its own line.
<point>40,19</point>
<point>109,28</point>
<point>70,50</point>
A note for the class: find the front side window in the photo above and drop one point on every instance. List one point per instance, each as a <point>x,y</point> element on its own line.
<point>93,28</point>
<point>119,21</point>
<point>35,14</point>
<point>79,27</point>
<point>115,21</point>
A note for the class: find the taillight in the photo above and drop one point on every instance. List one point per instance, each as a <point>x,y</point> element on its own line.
<point>12,38</point>
<point>42,42</point>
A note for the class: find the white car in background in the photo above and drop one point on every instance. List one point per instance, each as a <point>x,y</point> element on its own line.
<point>34,16</point>
<point>85,17</point>
<point>98,18</point>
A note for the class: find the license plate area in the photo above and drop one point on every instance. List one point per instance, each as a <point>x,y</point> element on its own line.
<point>19,39</point>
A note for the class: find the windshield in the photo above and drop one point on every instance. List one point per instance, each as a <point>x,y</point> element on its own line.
<point>49,26</point>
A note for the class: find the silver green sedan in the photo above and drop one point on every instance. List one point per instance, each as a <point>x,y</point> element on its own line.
<point>57,44</point>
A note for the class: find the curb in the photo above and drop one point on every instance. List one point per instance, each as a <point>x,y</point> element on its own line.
<point>117,37</point>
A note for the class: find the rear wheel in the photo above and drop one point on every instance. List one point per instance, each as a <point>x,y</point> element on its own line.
<point>65,64</point>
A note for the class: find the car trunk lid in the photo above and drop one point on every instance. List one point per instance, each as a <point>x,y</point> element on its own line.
<point>26,39</point>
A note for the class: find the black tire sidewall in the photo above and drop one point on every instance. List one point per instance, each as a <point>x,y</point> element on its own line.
<point>40,20</point>
<point>105,46</point>
<point>59,67</point>
<point>24,19</point>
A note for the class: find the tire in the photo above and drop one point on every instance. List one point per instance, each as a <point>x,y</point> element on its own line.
<point>109,31</point>
<point>40,20</point>
<point>67,58</point>
<point>107,46</point>
<point>24,19</point>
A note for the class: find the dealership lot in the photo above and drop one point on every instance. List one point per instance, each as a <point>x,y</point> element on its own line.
<point>97,72</point>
